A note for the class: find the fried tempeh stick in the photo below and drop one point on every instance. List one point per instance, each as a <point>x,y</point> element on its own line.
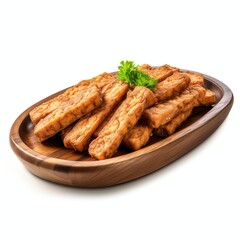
<point>125,118</point>
<point>167,87</point>
<point>138,136</point>
<point>79,137</point>
<point>162,113</point>
<point>159,73</point>
<point>209,99</point>
<point>170,127</point>
<point>195,78</point>
<point>105,121</point>
<point>68,112</point>
<point>45,108</point>
<point>65,131</point>
<point>103,79</point>
<point>171,86</point>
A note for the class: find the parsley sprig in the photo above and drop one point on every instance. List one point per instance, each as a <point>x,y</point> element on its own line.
<point>130,73</point>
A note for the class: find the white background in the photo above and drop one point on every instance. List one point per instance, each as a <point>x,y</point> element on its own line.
<point>46,46</point>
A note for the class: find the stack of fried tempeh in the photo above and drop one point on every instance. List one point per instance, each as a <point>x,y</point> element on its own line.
<point>107,110</point>
<point>172,110</point>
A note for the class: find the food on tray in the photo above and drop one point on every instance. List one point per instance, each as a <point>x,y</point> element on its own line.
<point>126,108</point>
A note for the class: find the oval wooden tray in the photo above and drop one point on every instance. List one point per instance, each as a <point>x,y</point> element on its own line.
<point>51,161</point>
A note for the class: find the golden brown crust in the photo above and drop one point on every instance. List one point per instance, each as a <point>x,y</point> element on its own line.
<point>162,113</point>
<point>125,118</point>
<point>68,112</point>
<point>44,109</point>
<point>159,73</point>
<point>195,78</point>
<point>103,79</point>
<point>138,136</point>
<point>170,127</point>
<point>79,137</point>
<point>145,67</point>
<point>171,86</point>
<point>209,99</point>
<point>93,101</point>
<point>65,132</point>
<point>106,120</point>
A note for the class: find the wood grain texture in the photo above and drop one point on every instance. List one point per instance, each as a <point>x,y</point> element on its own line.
<point>51,161</point>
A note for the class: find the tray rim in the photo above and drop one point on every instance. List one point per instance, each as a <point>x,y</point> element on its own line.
<point>31,156</point>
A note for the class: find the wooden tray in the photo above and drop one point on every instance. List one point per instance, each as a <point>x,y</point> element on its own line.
<point>51,161</point>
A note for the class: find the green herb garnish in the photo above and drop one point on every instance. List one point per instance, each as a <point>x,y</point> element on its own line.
<point>130,73</point>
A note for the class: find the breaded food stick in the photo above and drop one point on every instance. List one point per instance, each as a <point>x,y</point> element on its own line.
<point>125,118</point>
<point>171,86</point>
<point>209,99</point>
<point>68,112</point>
<point>195,78</point>
<point>138,136</point>
<point>80,135</point>
<point>65,131</point>
<point>105,121</point>
<point>170,127</point>
<point>103,79</point>
<point>45,108</point>
<point>159,73</point>
<point>162,113</point>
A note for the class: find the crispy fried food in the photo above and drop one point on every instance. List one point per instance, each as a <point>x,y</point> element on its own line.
<point>45,108</point>
<point>138,136</point>
<point>145,67</point>
<point>103,79</point>
<point>125,118</point>
<point>68,112</point>
<point>195,78</point>
<point>164,112</point>
<point>95,108</point>
<point>159,73</point>
<point>170,127</point>
<point>171,86</point>
<point>80,135</point>
<point>106,120</point>
<point>209,99</point>
<point>65,132</point>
